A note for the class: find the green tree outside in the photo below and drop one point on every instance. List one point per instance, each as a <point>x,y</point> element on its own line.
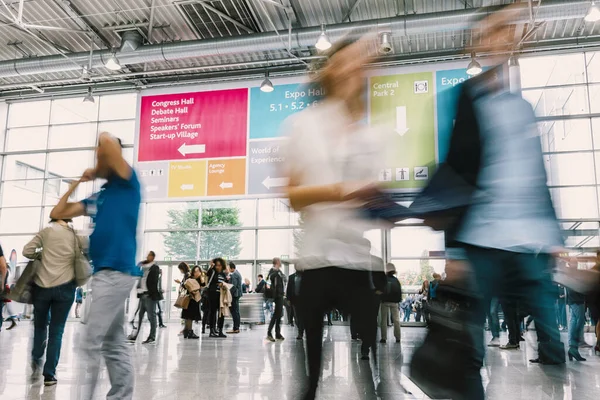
<point>181,245</point>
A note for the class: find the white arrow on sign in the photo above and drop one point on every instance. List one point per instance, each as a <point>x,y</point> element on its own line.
<point>226,185</point>
<point>151,189</point>
<point>275,182</point>
<point>401,128</point>
<point>189,186</point>
<point>186,149</point>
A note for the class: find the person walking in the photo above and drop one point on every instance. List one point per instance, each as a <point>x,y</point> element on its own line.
<point>392,296</point>
<point>292,293</point>
<point>78,300</point>
<point>53,293</point>
<point>277,279</point>
<point>149,295</point>
<point>113,243</point>
<point>576,303</point>
<point>235,279</point>
<point>332,159</point>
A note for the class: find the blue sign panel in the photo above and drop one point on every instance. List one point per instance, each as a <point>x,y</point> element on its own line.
<point>269,110</point>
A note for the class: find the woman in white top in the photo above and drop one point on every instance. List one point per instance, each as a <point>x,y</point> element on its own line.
<point>53,292</point>
<point>331,153</point>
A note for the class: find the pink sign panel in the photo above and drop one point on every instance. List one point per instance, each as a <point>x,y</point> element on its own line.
<point>193,125</point>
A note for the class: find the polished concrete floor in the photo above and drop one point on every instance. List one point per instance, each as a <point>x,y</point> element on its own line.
<point>245,366</point>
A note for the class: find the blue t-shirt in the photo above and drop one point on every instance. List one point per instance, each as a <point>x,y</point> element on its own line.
<point>115,211</point>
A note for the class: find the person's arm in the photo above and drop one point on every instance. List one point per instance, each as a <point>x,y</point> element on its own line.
<point>31,249</point>
<point>67,210</point>
<point>110,156</point>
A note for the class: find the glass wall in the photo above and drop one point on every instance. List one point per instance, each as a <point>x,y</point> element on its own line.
<point>47,144</point>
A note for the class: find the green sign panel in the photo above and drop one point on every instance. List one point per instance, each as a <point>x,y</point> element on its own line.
<point>404,105</point>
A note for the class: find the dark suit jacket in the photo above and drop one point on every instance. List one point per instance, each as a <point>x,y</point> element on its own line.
<point>290,292</point>
<point>153,283</point>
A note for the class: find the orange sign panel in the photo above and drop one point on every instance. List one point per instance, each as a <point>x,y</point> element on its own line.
<point>226,177</point>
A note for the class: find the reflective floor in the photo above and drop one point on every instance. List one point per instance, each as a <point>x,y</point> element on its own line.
<point>246,367</point>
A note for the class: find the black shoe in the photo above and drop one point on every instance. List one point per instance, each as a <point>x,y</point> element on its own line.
<point>192,335</point>
<point>50,380</point>
<point>162,326</point>
<point>150,340</point>
<point>132,338</point>
<point>13,324</point>
<point>364,356</point>
<point>203,330</point>
<point>185,333</point>
<point>270,338</point>
<point>382,341</point>
<point>299,338</point>
<point>279,337</point>
<point>574,354</point>
<point>397,340</point>
<point>221,335</point>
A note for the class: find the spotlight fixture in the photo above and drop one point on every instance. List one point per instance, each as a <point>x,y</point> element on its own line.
<point>266,85</point>
<point>323,42</point>
<point>593,14</point>
<point>385,43</point>
<point>89,97</point>
<point>474,67</point>
<point>113,63</point>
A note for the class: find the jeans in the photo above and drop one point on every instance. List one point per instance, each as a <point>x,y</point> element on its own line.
<point>323,289</point>
<point>406,315</point>
<point>276,318</point>
<point>494,321</point>
<point>106,335</point>
<point>235,312</point>
<point>391,308</point>
<point>147,305</point>
<point>518,278</point>
<point>51,308</point>
<point>561,313</point>
<point>576,324</point>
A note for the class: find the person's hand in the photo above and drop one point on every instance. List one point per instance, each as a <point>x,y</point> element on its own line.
<point>88,175</point>
<point>177,281</point>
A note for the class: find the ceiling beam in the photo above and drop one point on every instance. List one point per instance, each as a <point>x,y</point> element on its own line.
<point>351,10</point>
<point>218,12</point>
<point>151,20</point>
<point>77,17</point>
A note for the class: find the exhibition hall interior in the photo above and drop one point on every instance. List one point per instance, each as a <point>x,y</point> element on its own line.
<point>215,105</point>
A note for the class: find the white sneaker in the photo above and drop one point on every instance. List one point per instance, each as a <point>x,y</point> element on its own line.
<point>495,342</point>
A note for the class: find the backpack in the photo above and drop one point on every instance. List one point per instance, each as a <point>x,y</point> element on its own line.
<point>393,290</point>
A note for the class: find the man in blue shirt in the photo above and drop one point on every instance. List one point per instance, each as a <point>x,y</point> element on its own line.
<point>114,211</point>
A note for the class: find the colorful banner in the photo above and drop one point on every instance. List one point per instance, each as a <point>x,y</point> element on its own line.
<point>403,104</point>
<point>269,110</point>
<point>193,125</point>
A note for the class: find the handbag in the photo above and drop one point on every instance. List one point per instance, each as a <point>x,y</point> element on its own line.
<point>83,269</point>
<point>183,301</point>
<point>23,289</point>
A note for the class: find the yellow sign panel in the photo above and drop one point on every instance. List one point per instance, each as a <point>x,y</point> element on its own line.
<point>187,178</point>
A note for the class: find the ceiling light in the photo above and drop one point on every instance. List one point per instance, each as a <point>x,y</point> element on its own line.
<point>385,43</point>
<point>593,14</point>
<point>323,42</point>
<point>266,85</point>
<point>474,67</point>
<point>89,97</point>
<point>113,63</point>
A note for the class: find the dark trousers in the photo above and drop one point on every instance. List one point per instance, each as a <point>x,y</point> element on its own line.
<point>159,314</point>
<point>276,318</point>
<point>511,318</point>
<point>216,321</point>
<point>323,289</point>
<point>493,319</point>
<point>235,312</point>
<point>289,310</point>
<point>299,321</point>
<point>517,278</point>
<point>51,308</point>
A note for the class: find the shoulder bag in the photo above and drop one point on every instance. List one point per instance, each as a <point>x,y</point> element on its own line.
<point>205,289</point>
<point>83,269</point>
<point>183,300</point>
<point>23,290</point>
